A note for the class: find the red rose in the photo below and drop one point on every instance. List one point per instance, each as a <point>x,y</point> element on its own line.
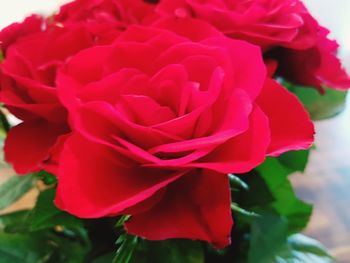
<point>306,55</point>
<point>35,49</point>
<point>9,35</point>
<point>28,90</point>
<point>315,66</point>
<point>266,23</point>
<point>159,119</point>
<point>104,18</point>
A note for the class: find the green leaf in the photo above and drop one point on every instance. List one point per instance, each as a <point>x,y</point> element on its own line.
<point>71,238</point>
<point>320,106</point>
<point>286,202</point>
<point>4,123</point>
<point>169,251</point>
<point>305,249</point>
<point>258,193</point>
<point>70,250</point>
<point>107,258</point>
<point>126,249</point>
<point>17,248</point>
<point>61,235</point>
<point>268,239</point>
<point>45,214</point>
<point>10,220</point>
<point>295,160</point>
<point>14,188</point>
<point>3,164</point>
<point>47,178</point>
<point>270,244</point>
<point>43,246</point>
<point>122,220</point>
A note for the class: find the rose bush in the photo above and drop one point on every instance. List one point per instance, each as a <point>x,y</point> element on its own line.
<point>159,119</point>
<point>305,53</point>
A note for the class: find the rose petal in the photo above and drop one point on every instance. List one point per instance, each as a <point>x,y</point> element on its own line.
<point>188,27</point>
<point>243,152</point>
<point>196,207</point>
<point>100,121</point>
<point>232,121</point>
<point>149,114</point>
<point>29,143</point>
<point>290,124</point>
<point>250,71</point>
<point>10,34</point>
<point>120,184</point>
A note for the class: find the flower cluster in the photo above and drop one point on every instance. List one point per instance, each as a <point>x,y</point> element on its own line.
<point>284,29</point>
<point>143,108</point>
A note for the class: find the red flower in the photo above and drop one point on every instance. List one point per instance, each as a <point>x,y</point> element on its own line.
<point>35,49</point>
<point>316,66</point>
<point>104,18</point>
<point>266,23</point>
<point>10,34</point>
<point>28,90</point>
<point>160,118</point>
<point>306,55</point>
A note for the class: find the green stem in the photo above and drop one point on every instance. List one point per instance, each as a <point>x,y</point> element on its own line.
<point>235,180</point>
<point>4,122</point>
<point>242,211</point>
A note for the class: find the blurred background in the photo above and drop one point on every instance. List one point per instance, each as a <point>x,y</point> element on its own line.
<point>326,182</point>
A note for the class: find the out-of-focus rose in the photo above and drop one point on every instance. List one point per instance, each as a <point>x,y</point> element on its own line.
<point>316,66</point>
<point>267,23</point>
<point>105,18</point>
<point>34,50</point>
<point>28,75</point>
<point>306,55</point>
<point>10,34</point>
<point>159,120</point>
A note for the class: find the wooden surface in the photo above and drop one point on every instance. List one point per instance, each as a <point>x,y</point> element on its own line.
<point>326,184</point>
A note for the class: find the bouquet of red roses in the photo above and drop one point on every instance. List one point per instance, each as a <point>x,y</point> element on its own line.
<point>163,131</point>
